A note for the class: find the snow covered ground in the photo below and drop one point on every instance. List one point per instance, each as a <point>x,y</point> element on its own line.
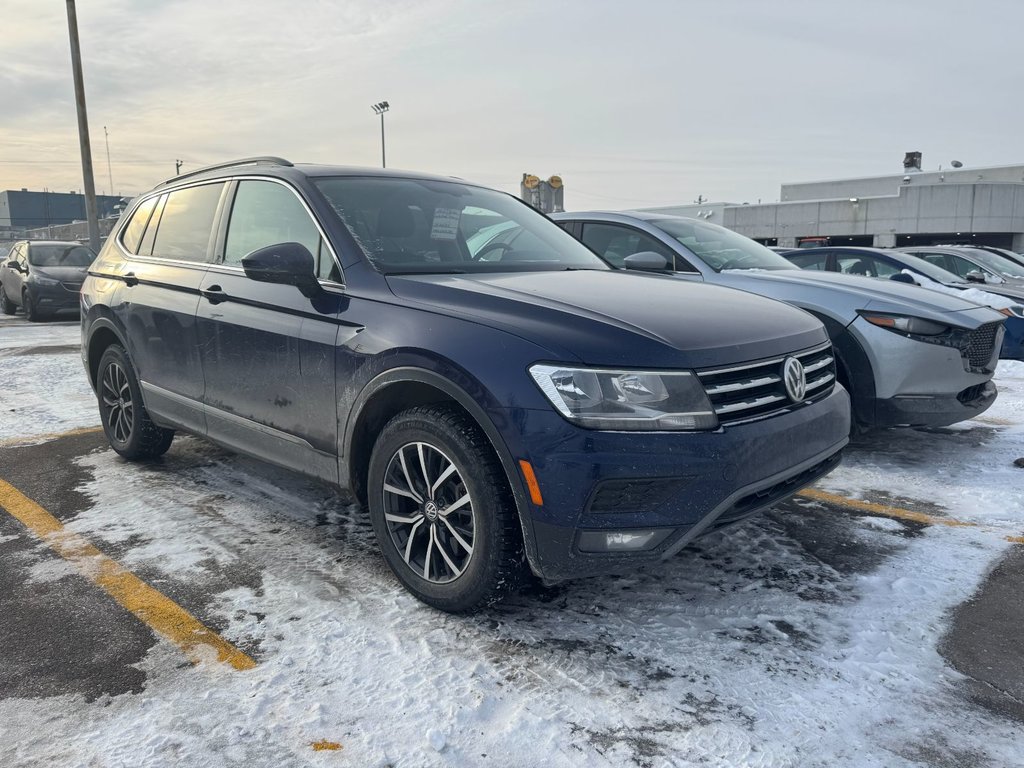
<point>807,637</point>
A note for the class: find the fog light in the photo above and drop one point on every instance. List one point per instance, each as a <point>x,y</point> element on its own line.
<point>622,541</point>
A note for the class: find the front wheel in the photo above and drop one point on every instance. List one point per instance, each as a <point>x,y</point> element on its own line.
<point>126,424</point>
<point>442,510</point>
<point>32,313</point>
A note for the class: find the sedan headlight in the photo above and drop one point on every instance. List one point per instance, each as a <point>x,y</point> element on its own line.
<point>916,326</point>
<point>627,400</point>
<point>39,280</point>
<point>1015,311</point>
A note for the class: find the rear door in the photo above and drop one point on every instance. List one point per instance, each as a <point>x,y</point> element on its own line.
<point>267,350</point>
<point>169,241</point>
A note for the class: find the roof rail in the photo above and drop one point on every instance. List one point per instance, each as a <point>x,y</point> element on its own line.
<point>267,159</point>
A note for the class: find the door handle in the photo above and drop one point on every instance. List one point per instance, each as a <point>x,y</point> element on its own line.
<point>130,279</point>
<point>214,294</point>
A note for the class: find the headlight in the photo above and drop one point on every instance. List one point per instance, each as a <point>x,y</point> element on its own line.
<point>914,325</point>
<point>1015,311</point>
<point>626,400</point>
<point>44,280</point>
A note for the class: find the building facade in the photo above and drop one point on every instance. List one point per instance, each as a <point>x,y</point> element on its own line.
<point>22,209</point>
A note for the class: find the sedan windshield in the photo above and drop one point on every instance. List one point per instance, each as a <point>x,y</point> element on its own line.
<point>721,248</point>
<point>417,226</point>
<point>998,264</point>
<point>60,256</point>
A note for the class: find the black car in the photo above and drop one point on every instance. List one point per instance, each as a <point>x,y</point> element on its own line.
<point>43,277</point>
<point>501,409</point>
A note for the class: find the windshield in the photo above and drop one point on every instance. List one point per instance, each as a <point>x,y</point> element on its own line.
<point>414,226</point>
<point>60,255</point>
<point>721,248</point>
<point>998,264</point>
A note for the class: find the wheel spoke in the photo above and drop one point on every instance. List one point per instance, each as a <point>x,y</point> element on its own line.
<point>458,504</point>
<point>430,549</point>
<point>443,476</point>
<point>110,402</point>
<point>412,535</point>
<point>456,536</point>
<point>408,478</point>
<point>408,520</point>
<point>423,468</point>
<point>444,554</point>
<point>400,491</point>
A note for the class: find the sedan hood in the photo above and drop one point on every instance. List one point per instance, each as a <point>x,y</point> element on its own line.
<point>840,292</point>
<point>614,318</point>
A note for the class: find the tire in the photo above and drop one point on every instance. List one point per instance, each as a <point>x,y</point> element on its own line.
<point>7,306</point>
<point>455,555</point>
<point>126,424</point>
<point>27,304</point>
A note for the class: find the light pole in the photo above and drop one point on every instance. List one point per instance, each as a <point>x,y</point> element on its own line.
<point>89,186</point>
<point>380,109</point>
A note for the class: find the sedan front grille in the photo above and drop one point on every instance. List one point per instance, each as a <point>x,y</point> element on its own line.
<point>756,390</point>
<point>981,343</point>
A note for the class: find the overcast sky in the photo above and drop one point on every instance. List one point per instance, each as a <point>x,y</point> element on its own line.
<point>633,103</point>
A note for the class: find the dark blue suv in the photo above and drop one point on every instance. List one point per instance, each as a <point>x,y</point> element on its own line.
<point>495,408</point>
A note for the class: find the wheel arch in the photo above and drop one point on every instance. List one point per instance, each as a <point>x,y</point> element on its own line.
<point>853,369</point>
<point>102,333</point>
<point>398,389</point>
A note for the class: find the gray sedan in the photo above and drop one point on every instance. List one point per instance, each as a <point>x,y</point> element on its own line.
<point>43,277</point>
<point>907,356</point>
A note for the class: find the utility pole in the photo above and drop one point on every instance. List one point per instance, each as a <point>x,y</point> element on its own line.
<point>110,174</point>
<point>380,109</point>
<point>177,166</point>
<point>83,130</point>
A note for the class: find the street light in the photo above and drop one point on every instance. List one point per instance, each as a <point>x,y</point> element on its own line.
<point>380,109</point>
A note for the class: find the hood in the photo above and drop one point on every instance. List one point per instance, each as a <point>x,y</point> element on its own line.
<point>615,318</point>
<point>840,294</point>
<point>64,274</point>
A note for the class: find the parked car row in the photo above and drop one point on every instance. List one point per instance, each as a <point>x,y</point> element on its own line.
<point>501,397</point>
<point>43,278</point>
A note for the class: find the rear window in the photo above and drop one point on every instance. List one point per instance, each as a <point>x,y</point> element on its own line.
<point>186,224</point>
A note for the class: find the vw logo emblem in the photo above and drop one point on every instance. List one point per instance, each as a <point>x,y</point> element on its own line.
<point>431,511</point>
<point>794,378</point>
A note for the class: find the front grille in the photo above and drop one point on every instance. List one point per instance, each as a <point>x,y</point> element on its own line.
<point>981,343</point>
<point>73,287</point>
<point>756,390</point>
<point>633,495</point>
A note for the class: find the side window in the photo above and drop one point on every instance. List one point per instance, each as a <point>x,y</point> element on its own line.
<point>615,242</point>
<point>817,261</point>
<point>186,225</point>
<point>137,225</point>
<point>962,266</point>
<point>267,213</point>
<point>146,248</point>
<point>938,259</point>
<point>864,265</point>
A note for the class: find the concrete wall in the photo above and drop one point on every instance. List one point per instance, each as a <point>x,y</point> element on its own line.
<point>939,208</point>
<point>890,184</point>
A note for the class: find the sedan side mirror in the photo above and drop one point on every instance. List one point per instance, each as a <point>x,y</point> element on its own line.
<point>974,276</point>
<point>902,277</point>
<point>12,264</point>
<point>284,264</point>
<point>647,261</point>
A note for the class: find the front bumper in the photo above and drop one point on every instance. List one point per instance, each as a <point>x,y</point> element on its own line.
<point>55,298</point>
<point>681,485</point>
<point>921,384</point>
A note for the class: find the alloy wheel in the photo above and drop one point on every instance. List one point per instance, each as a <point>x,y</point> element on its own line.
<point>429,512</point>
<point>117,397</point>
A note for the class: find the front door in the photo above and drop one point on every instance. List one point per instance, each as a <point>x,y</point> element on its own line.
<point>267,350</point>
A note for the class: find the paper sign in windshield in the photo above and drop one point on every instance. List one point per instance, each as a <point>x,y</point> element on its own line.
<point>446,223</point>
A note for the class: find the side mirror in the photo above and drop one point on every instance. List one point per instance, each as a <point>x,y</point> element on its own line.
<point>974,276</point>
<point>901,277</point>
<point>647,261</point>
<point>285,264</point>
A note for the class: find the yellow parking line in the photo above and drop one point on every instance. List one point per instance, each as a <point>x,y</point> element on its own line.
<point>13,442</point>
<point>160,613</point>
<point>882,509</point>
